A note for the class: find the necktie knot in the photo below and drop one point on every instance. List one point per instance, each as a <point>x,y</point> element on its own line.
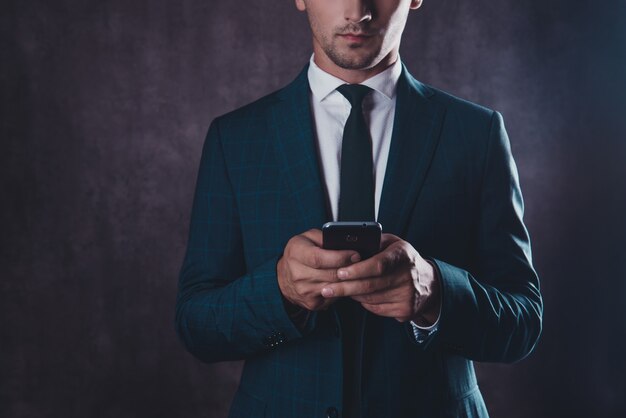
<point>354,93</point>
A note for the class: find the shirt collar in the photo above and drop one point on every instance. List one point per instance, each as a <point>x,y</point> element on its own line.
<point>322,83</point>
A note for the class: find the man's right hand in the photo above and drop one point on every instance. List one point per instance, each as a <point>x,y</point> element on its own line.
<point>305,268</point>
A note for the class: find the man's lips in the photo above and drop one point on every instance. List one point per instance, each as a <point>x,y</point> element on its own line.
<point>355,37</point>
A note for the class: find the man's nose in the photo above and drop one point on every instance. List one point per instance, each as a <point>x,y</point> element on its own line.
<point>358,10</point>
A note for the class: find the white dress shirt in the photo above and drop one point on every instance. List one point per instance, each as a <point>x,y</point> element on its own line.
<point>330,112</point>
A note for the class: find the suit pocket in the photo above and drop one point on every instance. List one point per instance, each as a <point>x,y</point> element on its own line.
<point>246,406</point>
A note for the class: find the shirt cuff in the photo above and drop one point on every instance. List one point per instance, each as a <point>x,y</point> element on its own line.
<point>432,327</point>
<point>421,333</point>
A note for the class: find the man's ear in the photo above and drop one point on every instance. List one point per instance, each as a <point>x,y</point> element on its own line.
<point>300,5</point>
<point>415,4</point>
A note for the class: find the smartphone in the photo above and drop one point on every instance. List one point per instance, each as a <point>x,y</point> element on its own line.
<point>363,237</point>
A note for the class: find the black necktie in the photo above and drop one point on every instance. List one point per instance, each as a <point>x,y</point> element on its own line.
<point>356,196</point>
<point>356,203</point>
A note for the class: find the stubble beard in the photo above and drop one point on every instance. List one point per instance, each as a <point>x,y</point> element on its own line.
<point>352,59</point>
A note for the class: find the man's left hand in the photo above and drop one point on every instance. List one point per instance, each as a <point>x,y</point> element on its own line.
<point>397,282</point>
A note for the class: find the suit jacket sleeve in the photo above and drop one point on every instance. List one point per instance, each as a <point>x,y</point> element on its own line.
<point>494,314</point>
<point>224,310</point>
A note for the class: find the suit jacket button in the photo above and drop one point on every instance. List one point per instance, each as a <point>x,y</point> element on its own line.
<point>331,412</point>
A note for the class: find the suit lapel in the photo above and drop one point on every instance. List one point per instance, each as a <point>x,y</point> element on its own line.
<point>295,147</point>
<point>416,128</point>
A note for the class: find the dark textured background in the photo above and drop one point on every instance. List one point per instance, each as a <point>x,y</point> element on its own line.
<point>104,109</point>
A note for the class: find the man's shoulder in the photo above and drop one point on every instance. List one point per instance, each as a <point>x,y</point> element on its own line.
<point>460,103</point>
<point>263,109</point>
<point>460,106</point>
<point>453,104</point>
<point>254,111</point>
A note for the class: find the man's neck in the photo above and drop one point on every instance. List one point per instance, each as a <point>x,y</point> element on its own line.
<point>353,76</point>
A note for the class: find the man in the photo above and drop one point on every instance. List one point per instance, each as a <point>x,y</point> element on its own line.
<point>324,333</point>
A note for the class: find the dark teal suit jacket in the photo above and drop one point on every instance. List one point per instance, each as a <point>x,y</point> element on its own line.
<point>451,189</point>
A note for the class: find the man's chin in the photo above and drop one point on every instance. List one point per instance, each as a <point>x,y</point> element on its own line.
<point>351,61</point>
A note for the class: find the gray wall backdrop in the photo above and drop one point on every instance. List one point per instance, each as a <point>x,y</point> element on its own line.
<point>104,108</point>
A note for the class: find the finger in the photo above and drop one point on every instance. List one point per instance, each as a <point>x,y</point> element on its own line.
<point>354,287</point>
<point>387,295</point>
<point>314,235</point>
<point>389,310</point>
<point>307,249</point>
<point>316,276</point>
<point>378,265</point>
<point>387,239</point>
<point>319,258</point>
